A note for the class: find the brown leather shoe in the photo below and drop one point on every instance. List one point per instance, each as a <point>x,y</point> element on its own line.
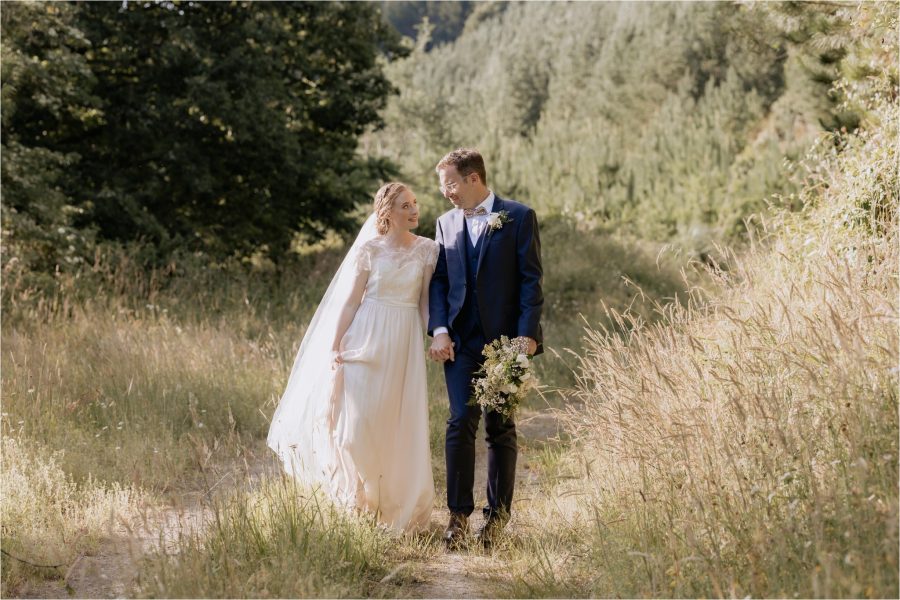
<point>456,530</point>
<point>490,531</point>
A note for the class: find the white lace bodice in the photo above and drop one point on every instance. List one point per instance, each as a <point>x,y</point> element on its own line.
<point>396,275</point>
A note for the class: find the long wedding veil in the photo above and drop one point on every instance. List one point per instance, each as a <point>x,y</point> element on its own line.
<point>300,432</point>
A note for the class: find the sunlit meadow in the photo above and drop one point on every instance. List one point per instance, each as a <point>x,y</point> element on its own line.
<point>723,426</point>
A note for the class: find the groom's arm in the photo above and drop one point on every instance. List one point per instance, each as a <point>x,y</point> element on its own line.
<point>439,287</point>
<point>439,290</point>
<point>531,275</point>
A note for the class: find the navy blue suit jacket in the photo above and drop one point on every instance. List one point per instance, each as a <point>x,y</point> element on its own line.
<point>509,277</point>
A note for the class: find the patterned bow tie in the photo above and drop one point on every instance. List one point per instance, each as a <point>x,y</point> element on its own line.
<point>472,212</point>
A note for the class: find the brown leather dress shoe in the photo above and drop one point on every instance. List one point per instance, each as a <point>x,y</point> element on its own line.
<point>490,531</point>
<point>456,530</point>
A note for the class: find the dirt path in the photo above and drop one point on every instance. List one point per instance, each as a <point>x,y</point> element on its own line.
<point>474,573</point>
<point>111,571</point>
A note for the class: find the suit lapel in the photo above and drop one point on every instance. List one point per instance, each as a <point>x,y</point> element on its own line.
<point>486,237</point>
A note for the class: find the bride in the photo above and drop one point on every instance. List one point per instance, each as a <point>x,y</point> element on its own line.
<point>353,419</point>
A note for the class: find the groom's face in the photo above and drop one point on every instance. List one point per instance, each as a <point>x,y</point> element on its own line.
<point>457,189</point>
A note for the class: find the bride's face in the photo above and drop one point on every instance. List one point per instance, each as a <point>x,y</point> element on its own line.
<point>405,212</point>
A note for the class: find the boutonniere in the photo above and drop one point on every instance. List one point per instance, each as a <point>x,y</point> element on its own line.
<point>498,220</point>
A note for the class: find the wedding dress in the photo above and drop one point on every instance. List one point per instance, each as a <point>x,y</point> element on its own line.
<point>360,431</point>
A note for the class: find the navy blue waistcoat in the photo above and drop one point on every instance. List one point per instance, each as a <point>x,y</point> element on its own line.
<point>469,319</point>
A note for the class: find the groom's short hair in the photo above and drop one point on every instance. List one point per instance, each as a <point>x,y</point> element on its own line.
<point>466,161</point>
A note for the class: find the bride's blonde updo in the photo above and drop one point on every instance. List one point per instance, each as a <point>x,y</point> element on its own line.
<point>384,202</point>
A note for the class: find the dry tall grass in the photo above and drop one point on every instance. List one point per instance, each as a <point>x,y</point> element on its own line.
<point>48,520</point>
<point>750,446</point>
<point>115,377</point>
<point>153,377</point>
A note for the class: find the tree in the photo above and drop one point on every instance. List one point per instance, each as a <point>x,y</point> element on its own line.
<point>226,128</point>
<point>232,126</point>
<point>47,98</point>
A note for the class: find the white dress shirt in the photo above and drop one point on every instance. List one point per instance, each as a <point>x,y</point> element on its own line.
<point>477,225</point>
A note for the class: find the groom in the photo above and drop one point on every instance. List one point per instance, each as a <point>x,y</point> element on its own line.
<point>487,283</point>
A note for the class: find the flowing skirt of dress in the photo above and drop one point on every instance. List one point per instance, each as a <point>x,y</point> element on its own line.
<point>380,417</point>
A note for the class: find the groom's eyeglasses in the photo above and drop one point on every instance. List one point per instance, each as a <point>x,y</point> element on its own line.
<point>449,187</point>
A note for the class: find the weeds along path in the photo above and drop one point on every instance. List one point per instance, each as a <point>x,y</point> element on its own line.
<point>472,572</point>
<point>112,570</point>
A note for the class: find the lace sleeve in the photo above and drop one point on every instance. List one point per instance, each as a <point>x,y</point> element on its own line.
<point>431,253</point>
<point>363,259</point>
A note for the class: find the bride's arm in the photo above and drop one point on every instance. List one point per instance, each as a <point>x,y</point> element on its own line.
<point>423,299</point>
<point>351,305</point>
<point>431,258</point>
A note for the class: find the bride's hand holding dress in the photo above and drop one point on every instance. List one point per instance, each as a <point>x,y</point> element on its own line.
<point>354,417</point>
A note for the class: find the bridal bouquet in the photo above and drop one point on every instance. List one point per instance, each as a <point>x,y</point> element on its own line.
<point>506,376</point>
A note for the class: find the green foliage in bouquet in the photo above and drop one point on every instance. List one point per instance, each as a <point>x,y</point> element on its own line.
<point>506,377</point>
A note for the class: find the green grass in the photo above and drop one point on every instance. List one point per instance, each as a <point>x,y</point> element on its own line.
<point>278,541</point>
<point>135,400</point>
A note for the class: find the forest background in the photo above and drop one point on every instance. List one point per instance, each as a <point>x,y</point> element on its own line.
<point>717,190</point>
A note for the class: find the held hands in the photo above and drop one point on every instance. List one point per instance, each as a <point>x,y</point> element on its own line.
<point>441,348</point>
